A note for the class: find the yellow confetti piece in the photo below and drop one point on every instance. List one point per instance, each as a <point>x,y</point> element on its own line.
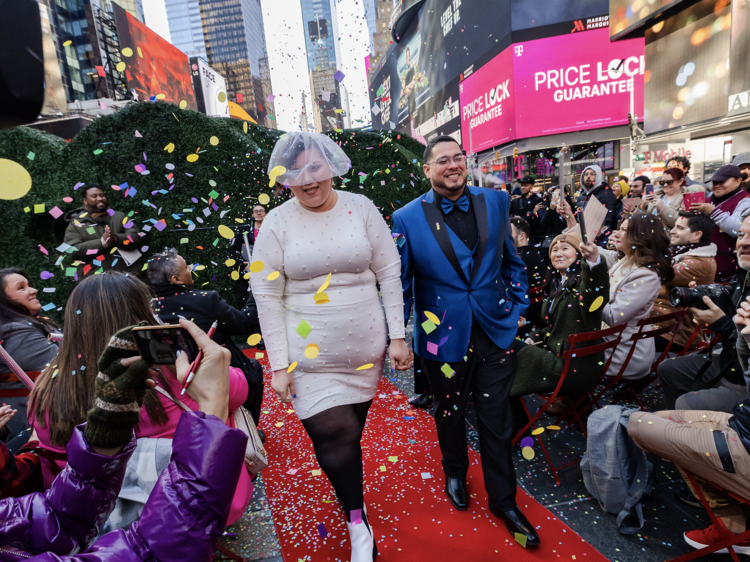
<point>596,304</point>
<point>226,232</point>
<point>273,276</point>
<point>393,459</point>
<point>321,298</point>
<point>273,174</point>
<point>183,104</point>
<point>435,320</point>
<point>325,284</point>
<point>521,539</point>
<point>120,66</point>
<point>260,356</point>
<point>528,453</point>
<point>264,199</point>
<point>538,431</point>
<point>127,52</point>
<point>235,275</point>
<point>257,266</point>
<point>553,427</point>
<point>15,180</point>
<point>170,147</point>
<point>292,367</point>
<point>68,42</point>
<point>383,468</point>
<point>311,351</point>
<point>365,367</point>
<point>192,157</point>
<point>222,97</point>
<point>230,262</point>
<point>214,140</point>
<point>160,96</point>
<point>198,267</point>
<point>279,424</point>
<point>140,53</point>
<point>244,126</point>
<point>254,340</point>
<point>316,472</point>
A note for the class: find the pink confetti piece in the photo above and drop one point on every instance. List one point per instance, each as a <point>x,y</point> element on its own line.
<point>432,348</point>
<point>43,250</point>
<point>55,212</point>
<point>68,199</point>
<point>76,186</point>
<point>356,516</point>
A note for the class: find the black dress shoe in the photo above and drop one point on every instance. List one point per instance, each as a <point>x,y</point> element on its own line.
<point>455,489</point>
<point>686,496</point>
<point>422,401</point>
<point>516,522</point>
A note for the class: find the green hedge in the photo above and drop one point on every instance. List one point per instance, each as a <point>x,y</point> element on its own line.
<point>106,153</point>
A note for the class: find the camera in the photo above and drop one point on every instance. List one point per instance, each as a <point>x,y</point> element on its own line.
<point>721,295</point>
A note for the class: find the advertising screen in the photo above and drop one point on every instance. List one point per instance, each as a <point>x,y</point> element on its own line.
<point>155,66</point>
<point>689,56</point>
<point>576,82</point>
<point>628,15</point>
<point>487,105</point>
<point>739,67</point>
<point>210,89</point>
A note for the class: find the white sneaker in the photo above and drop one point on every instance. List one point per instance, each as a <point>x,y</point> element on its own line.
<point>364,548</point>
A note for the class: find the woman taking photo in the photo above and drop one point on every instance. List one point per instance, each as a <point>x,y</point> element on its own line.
<point>666,202</point>
<point>580,277</point>
<point>322,255</point>
<point>638,267</point>
<point>24,335</point>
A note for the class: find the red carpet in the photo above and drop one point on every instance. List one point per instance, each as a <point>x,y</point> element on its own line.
<point>410,515</point>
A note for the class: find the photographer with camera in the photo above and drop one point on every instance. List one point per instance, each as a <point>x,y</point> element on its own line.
<point>701,382</point>
<point>692,255</point>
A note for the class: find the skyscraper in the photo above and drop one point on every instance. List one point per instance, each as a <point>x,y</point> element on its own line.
<point>371,15</point>
<point>381,38</point>
<point>230,35</point>
<point>185,28</point>
<point>320,24</point>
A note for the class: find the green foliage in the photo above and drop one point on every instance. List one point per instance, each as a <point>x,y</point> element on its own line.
<point>106,152</point>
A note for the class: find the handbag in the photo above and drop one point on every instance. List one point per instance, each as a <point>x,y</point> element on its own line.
<point>256,458</point>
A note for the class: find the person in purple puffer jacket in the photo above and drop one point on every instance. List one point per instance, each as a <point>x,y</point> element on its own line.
<point>187,510</point>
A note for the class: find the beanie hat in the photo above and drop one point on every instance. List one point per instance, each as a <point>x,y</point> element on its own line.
<point>572,238</point>
<point>625,187</point>
<point>741,158</point>
<point>120,392</point>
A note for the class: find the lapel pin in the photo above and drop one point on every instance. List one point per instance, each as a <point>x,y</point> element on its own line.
<point>437,225</point>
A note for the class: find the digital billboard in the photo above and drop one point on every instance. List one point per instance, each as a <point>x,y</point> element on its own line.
<point>488,105</point>
<point>626,16</point>
<point>555,85</point>
<point>210,89</point>
<point>155,67</point>
<point>576,82</point>
<point>739,65</point>
<point>689,58</point>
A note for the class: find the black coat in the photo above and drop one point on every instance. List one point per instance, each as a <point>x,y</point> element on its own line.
<point>551,222</point>
<point>524,207</point>
<point>173,302</point>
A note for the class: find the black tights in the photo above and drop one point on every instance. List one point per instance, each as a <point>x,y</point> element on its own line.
<point>336,434</point>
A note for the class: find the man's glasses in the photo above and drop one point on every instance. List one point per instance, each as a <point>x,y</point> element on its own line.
<point>444,161</point>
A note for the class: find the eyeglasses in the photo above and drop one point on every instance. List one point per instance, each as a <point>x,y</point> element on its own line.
<point>444,161</point>
<point>667,182</point>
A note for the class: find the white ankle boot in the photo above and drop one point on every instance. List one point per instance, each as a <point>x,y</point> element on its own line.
<point>363,540</point>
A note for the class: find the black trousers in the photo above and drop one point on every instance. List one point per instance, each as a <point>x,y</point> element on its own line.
<point>488,373</point>
<point>421,382</point>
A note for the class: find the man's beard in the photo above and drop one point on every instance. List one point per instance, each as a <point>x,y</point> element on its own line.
<point>441,184</point>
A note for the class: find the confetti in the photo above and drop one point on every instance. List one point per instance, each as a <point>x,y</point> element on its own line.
<point>365,367</point>
<point>257,266</point>
<point>254,340</point>
<point>311,351</point>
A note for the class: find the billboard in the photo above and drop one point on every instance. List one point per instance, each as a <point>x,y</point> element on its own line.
<point>210,89</point>
<point>689,58</point>
<point>487,104</point>
<point>156,67</point>
<point>739,66</point>
<point>548,86</point>
<point>626,16</point>
<point>576,82</point>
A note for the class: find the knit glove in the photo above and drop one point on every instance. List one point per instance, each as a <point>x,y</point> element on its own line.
<point>120,392</point>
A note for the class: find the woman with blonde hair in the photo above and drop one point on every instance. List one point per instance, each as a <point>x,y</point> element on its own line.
<point>317,265</point>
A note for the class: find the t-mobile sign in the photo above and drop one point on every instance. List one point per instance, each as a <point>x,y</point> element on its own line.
<point>559,84</point>
<point>487,105</point>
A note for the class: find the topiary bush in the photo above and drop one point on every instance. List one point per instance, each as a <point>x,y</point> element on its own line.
<point>138,156</point>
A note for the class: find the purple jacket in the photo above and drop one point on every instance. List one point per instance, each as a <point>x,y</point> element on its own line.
<point>183,518</point>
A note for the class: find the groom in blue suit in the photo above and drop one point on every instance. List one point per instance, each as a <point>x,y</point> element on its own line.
<point>469,286</point>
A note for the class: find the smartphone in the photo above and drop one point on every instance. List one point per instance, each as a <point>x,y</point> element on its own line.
<point>649,188</point>
<point>159,345</point>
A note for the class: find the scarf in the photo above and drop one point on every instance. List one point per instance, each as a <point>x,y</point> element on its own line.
<point>716,201</point>
<point>677,250</point>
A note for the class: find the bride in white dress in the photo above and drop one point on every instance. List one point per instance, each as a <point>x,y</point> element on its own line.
<point>316,268</point>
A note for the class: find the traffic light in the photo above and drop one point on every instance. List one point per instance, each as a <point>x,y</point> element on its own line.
<point>515,153</point>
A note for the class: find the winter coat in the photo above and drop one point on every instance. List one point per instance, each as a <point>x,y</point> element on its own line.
<point>606,197</point>
<point>183,518</point>
<point>697,264</point>
<point>524,207</point>
<point>670,212</point>
<point>540,366</point>
<point>85,233</point>
<point>30,347</point>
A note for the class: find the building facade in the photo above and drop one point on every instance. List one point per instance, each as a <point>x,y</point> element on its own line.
<point>230,35</point>
<point>381,36</point>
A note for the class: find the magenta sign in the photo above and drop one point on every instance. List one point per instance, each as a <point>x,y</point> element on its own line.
<point>559,84</point>
<point>487,105</point>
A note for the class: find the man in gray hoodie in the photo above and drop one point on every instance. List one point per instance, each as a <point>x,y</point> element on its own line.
<point>742,160</point>
<point>593,184</point>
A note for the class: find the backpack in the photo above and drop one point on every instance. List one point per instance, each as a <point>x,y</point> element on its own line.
<point>615,471</point>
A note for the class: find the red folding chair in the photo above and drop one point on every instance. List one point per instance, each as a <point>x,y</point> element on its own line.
<point>634,388</point>
<point>701,347</point>
<point>227,554</point>
<point>568,356</point>
<point>725,543</point>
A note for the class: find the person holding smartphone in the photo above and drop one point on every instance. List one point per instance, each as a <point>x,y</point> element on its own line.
<point>666,202</point>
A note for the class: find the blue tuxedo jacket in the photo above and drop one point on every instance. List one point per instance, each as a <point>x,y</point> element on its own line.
<point>441,275</point>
